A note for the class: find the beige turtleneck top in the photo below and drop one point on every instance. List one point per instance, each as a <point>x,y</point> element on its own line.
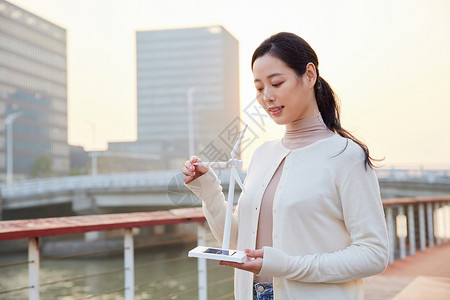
<point>298,134</point>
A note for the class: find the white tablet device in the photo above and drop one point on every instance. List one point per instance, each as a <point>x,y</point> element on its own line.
<point>218,254</point>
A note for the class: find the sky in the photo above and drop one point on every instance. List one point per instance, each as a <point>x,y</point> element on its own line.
<point>388,62</point>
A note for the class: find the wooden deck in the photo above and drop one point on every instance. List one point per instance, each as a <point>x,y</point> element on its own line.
<point>423,276</point>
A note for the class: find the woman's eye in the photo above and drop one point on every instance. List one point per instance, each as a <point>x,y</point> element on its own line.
<point>277,84</point>
<point>259,90</point>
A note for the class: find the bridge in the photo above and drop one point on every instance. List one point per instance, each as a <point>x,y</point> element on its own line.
<point>157,190</point>
<point>106,193</point>
<point>413,182</point>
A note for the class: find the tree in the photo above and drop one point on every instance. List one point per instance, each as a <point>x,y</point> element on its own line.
<point>78,171</point>
<point>42,167</point>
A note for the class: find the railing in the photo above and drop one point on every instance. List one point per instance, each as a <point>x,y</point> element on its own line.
<point>162,180</point>
<point>167,179</point>
<point>33,229</point>
<point>414,175</point>
<point>433,228</point>
<point>424,221</point>
<point>87,182</point>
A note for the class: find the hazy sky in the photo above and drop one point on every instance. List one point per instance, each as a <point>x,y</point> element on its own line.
<point>388,61</point>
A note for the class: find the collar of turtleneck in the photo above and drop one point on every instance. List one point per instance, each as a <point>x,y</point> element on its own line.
<point>303,132</point>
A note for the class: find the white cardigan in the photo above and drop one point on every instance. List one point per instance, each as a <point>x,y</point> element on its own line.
<point>328,222</point>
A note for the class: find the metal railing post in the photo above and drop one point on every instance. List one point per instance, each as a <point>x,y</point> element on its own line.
<point>401,218</point>
<point>437,223</point>
<point>430,225</point>
<point>411,230</point>
<point>446,221</point>
<point>129,264</point>
<point>33,268</point>
<point>202,264</point>
<point>422,231</point>
<point>391,233</point>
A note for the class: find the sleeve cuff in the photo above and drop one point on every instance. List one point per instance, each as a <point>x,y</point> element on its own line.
<point>275,262</point>
<point>205,186</point>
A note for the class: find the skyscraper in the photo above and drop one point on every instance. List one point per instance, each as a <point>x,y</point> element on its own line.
<point>33,82</point>
<point>170,63</point>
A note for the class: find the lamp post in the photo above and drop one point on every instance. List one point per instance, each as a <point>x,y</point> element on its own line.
<point>201,264</point>
<point>9,145</point>
<point>190,93</point>
<point>94,153</point>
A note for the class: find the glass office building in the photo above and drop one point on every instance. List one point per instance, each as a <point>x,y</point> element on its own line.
<point>171,62</point>
<point>33,81</point>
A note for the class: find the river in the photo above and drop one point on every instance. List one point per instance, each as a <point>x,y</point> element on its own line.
<point>155,281</point>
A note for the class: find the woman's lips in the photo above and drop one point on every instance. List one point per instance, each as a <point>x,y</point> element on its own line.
<point>275,110</point>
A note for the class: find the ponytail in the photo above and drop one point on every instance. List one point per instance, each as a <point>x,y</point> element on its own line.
<point>330,112</point>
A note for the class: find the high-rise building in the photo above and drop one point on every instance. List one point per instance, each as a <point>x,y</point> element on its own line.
<point>33,82</point>
<point>171,64</point>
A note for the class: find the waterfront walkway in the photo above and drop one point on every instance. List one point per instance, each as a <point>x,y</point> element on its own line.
<point>425,275</point>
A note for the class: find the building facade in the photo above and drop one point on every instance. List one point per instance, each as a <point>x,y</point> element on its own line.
<point>170,63</point>
<point>33,83</point>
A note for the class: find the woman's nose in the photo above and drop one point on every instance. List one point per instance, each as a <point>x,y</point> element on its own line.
<point>267,96</point>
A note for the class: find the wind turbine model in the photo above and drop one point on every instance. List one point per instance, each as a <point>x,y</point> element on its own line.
<point>225,253</point>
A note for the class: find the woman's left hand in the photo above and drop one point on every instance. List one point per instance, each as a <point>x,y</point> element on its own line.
<point>252,265</point>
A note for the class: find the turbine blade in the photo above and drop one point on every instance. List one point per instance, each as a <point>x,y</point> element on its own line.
<point>236,146</point>
<point>235,174</point>
<point>218,164</point>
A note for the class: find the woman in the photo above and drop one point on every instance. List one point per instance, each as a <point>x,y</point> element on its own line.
<point>312,208</point>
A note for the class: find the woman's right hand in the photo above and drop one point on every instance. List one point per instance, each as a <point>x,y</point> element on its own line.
<point>192,171</point>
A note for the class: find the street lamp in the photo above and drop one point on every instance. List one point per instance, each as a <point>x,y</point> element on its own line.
<point>94,153</point>
<point>9,145</point>
<point>190,93</point>
<point>201,263</point>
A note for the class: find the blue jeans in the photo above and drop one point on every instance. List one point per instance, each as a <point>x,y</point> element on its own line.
<point>263,291</point>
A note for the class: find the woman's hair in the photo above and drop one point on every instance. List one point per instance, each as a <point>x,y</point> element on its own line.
<point>296,53</point>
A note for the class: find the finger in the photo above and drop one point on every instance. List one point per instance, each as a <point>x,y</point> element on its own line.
<point>187,172</point>
<point>255,253</point>
<point>189,166</point>
<point>251,266</point>
<point>247,264</point>
<point>194,159</point>
<point>231,264</point>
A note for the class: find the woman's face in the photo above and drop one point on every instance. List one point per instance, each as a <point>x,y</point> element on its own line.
<point>285,96</point>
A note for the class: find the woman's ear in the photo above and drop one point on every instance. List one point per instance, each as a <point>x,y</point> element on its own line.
<point>310,74</point>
